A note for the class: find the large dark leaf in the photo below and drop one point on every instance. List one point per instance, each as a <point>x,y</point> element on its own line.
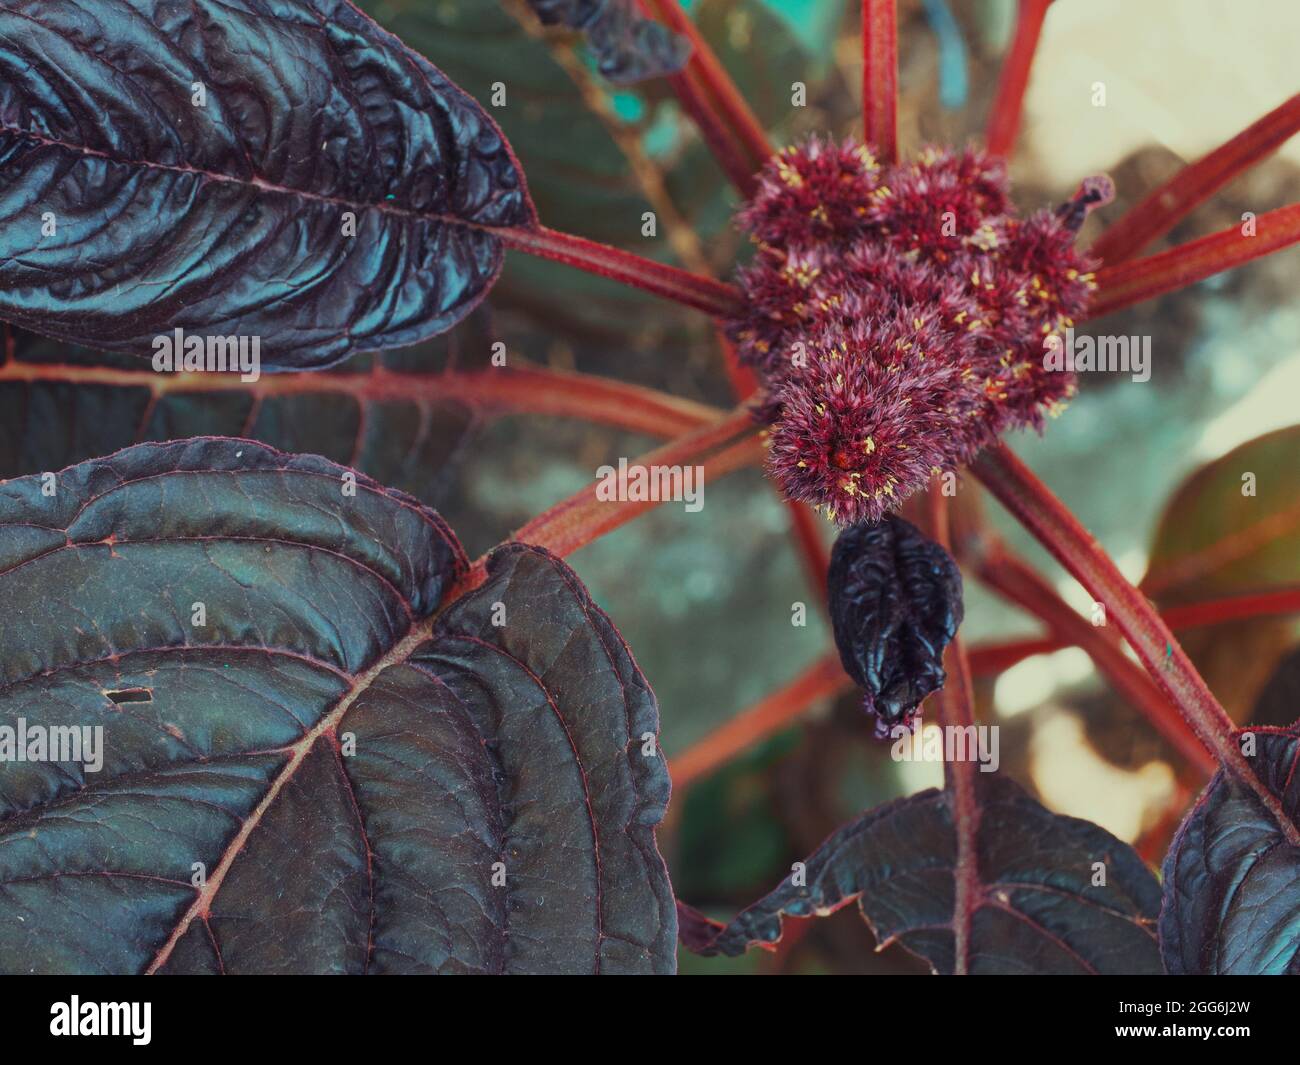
<point>509,728</point>
<point>1037,906</point>
<point>1231,878</point>
<point>229,218</point>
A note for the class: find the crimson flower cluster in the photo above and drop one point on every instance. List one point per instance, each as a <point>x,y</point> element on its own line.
<point>897,316</point>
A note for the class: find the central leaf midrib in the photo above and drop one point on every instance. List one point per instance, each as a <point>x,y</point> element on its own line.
<point>261,185</point>
<point>417,634</point>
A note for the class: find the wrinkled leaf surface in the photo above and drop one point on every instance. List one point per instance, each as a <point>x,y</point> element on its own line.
<point>1231,879</point>
<point>199,165</point>
<point>319,772</point>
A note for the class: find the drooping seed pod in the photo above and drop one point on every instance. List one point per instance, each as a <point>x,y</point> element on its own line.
<point>895,604</point>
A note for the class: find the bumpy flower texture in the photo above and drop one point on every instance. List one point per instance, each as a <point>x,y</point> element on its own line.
<point>898,317</point>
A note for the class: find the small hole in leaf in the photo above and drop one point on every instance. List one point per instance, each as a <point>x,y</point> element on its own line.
<point>131,695</point>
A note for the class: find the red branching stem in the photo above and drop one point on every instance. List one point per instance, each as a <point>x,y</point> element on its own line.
<point>734,160</point>
<point>587,396</point>
<point>1171,202</point>
<point>1004,119</point>
<point>527,389</point>
<point>956,710</point>
<point>992,658</point>
<point>1032,503</point>
<point>880,77</point>
<point>741,377</point>
<point>956,705</point>
<point>703,293</point>
<point>1284,600</point>
<point>935,518</point>
<point>720,447</point>
<point>807,527</point>
<point>1011,578</point>
<point>715,104</point>
<point>774,712</point>
<point>1143,279</point>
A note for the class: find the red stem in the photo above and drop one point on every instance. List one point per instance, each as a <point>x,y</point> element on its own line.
<point>1168,204</point>
<point>1046,517</point>
<point>741,377</point>
<point>990,659</point>
<point>1016,581</point>
<point>717,107</point>
<point>1008,105</point>
<point>720,447</point>
<point>995,657</point>
<point>1232,608</point>
<point>1143,279</point>
<point>736,163</point>
<point>775,711</point>
<point>703,293</point>
<point>714,297</point>
<point>956,705</point>
<point>812,548</point>
<point>956,702</point>
<point>531,389</point>
<point>880,77</point>
<point>576,395</point>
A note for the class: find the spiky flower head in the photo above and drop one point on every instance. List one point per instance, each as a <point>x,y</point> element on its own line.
<point>816,193</point>
<point>872,413</point>
<point>899,316</point>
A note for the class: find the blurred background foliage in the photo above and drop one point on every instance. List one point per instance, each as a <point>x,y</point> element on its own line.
<point>1153,469</point>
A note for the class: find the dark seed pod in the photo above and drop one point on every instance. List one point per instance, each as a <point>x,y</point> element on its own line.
<point>895,601</point>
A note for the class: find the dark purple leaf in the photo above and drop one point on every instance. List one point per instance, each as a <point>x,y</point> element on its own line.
<point>347,764</point>
<point>1037,904</point>
<point>1231,878</point>
<point>628,47</point>
<point>227,217</point>
<point>895,603</point>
